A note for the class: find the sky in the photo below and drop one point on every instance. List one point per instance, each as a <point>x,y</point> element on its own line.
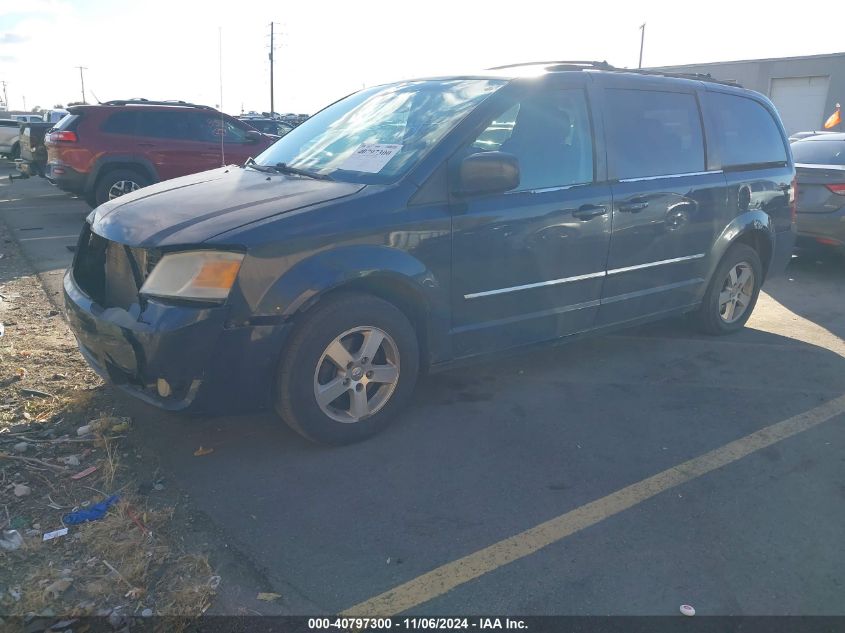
<point>326,49</point>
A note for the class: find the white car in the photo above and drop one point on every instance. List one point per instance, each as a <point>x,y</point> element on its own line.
<point>9,137</point>
<point>54,116</point>
<point>28,118</point>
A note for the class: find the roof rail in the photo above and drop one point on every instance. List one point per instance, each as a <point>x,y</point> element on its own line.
<point>142,101</point>
<point>585,65</point>
<point>695,76</point>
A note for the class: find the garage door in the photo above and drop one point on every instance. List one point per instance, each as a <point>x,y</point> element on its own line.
<point>800,102</point>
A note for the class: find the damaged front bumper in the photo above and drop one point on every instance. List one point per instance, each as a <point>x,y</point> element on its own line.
<point>177,357</point>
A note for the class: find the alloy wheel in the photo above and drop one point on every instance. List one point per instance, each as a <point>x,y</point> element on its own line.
<point>737,291</point>
<point>356,374</point>
<point>122,187</point>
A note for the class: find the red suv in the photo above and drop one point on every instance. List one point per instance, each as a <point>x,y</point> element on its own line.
<point>102,151</point>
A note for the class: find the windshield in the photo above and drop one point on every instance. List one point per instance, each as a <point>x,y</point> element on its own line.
<point>819,152</point>
<point>375,136</point>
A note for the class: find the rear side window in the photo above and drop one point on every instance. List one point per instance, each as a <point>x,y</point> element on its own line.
<point>747,132</point>
<point>819,152</point>
<point>120,123</point>
<point>9,124</point>
<point>68,122</point>
<point>164,124</point>
<point>653,133</point>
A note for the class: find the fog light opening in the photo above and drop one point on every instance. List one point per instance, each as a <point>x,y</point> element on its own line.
<point>163,388</point>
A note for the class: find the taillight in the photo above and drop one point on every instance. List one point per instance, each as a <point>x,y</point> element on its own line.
<point>837,188</point>
<point>63,136</point>
<point>793,200</point>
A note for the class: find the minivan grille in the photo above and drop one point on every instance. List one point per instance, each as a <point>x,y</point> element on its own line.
<point>111,273</point>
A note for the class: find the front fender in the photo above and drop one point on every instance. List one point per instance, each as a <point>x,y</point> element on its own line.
<point>329,269</point>
<point>750,221</point>
<point>373,266</point>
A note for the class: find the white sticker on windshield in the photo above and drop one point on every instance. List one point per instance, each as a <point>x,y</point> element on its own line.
<point>370,157</point>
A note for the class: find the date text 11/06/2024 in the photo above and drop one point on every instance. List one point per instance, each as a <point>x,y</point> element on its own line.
<point>431,624</point>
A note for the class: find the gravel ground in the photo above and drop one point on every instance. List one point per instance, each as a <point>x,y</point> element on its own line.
<point>65,447</point>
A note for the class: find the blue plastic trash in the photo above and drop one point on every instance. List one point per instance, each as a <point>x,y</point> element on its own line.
<point>94,513</point>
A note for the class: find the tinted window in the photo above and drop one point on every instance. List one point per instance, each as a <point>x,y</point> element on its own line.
<point>164,124</point>
<point>68,122</point>
<point>262,126</point>
<point>549,134</point>
<point>819,152</point>
<point>746,130</point>
<point>120,123</point>
<point>9,124</point>
<point>208,127</point>
<point>653,133</point>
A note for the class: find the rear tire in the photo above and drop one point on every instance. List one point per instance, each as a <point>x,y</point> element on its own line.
<point>361,354</point>
<point>116,183</point>
<point>732,292</point>
<point>16,151</point>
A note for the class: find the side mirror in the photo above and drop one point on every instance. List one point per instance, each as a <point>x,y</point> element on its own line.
<point>488,172</point>
<point>253,136</point>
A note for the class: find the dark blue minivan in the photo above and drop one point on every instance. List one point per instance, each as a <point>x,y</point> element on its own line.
<point>415,224</point>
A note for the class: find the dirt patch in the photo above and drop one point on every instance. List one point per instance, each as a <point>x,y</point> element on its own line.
<point>66,454</point>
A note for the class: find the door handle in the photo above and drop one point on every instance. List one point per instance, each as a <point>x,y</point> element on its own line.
<point>587,211</point>
<point>634,205</point>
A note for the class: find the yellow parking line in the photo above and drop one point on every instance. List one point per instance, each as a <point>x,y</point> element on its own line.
<point>446,577</point>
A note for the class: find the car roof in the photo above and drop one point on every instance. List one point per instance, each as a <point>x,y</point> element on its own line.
<point>145,103</point>
<point>528,70</point>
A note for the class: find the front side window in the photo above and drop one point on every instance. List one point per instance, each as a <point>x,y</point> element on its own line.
<point>209,127</point>
<point>377,135</point>
<point>748,134</point>
<point>653,133</point>
<point>550,135</point>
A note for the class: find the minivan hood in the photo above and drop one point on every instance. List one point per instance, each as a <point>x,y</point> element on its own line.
<point>195,208</point>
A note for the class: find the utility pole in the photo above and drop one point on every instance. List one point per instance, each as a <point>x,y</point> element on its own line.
<point>272,59</point>
<point>642,42</point>
<point>82,80</point>
<point>272,103</point>
<point>5,98</point>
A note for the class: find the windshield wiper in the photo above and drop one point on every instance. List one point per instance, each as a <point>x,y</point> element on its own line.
<point>286,169</point>
<point>250,162</point>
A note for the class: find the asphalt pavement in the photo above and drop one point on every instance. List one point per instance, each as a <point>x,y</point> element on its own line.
<point>488,452</point>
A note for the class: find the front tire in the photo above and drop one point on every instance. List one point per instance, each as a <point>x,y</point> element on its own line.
<point>350,367</point>
<point>732,293</point>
